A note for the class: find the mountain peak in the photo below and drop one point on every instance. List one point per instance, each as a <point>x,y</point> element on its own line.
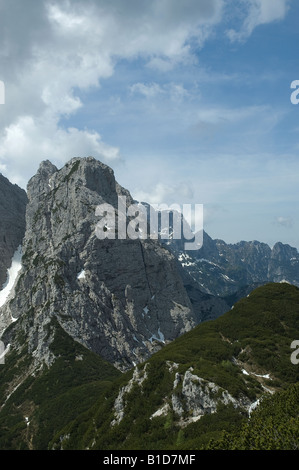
<point>130,299</point>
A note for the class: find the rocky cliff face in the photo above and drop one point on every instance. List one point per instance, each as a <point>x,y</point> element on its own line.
<point>191,397</point>
<point>122,299</point>
<point>222,269</point>
<point>13,202</point>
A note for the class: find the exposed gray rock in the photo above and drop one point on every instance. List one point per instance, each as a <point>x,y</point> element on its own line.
<point>199,396</point>
<point>123,299</point>
<point>13,202</point>
<point>284,264</point>
<point>193,397</point>
<point>139,376</point>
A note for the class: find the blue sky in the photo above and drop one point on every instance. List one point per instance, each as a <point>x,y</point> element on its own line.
<point>188,101</point>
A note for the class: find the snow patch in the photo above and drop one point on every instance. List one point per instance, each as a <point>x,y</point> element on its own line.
<point>81,274</point>
<point>188,264</point>
<point>12,274</point>
<point>227,278</point>
<point>266,376</point>
<point>184,256</point>
<point>209,262</point>
<point>253,406</point>
<point>160,337</point>
<point>185,260</point>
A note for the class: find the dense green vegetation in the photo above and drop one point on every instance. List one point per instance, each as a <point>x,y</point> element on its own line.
<point>53,397</point>
<point>70,405</point>
<point>274,425</point>
<point>255,335</point>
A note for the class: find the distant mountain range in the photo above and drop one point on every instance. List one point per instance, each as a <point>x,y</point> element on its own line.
<point>227,272</point>
<point>79,311</point>
<point>222,269</point>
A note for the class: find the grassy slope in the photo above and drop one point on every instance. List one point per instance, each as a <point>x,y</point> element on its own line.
<point>75,396</point>
<point>257,333</point>
<point>53,397</point>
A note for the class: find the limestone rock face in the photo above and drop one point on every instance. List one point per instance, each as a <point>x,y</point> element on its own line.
<point>13,202</point>
<point>284,264</point>
<point>121,298</point>
<point>199,397</point>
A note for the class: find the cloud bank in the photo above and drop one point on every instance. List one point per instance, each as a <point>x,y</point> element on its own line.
<point>52,50</point>
<point>258,12</point>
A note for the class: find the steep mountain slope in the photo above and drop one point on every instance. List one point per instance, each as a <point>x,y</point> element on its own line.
<point>274,425</point>
<point>205,382</point>
<point>77,300</point>
<point>122,298</point>
<point>13,202</point>
<point>36,401</point>
<point>83,309</point>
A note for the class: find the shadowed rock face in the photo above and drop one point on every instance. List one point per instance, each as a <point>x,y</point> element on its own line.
<point>225,269</point>
<point>121,298</point>
<point>13,202</point>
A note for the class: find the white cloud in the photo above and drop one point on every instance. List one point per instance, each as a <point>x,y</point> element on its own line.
<point>174,91</point>
<point>28,141</point>
<point>51,49</point>
<point>259,12</point>
<point>286,222</point>
<point>177,193</point>
<point>148,90</point>
<point>218,115</point>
